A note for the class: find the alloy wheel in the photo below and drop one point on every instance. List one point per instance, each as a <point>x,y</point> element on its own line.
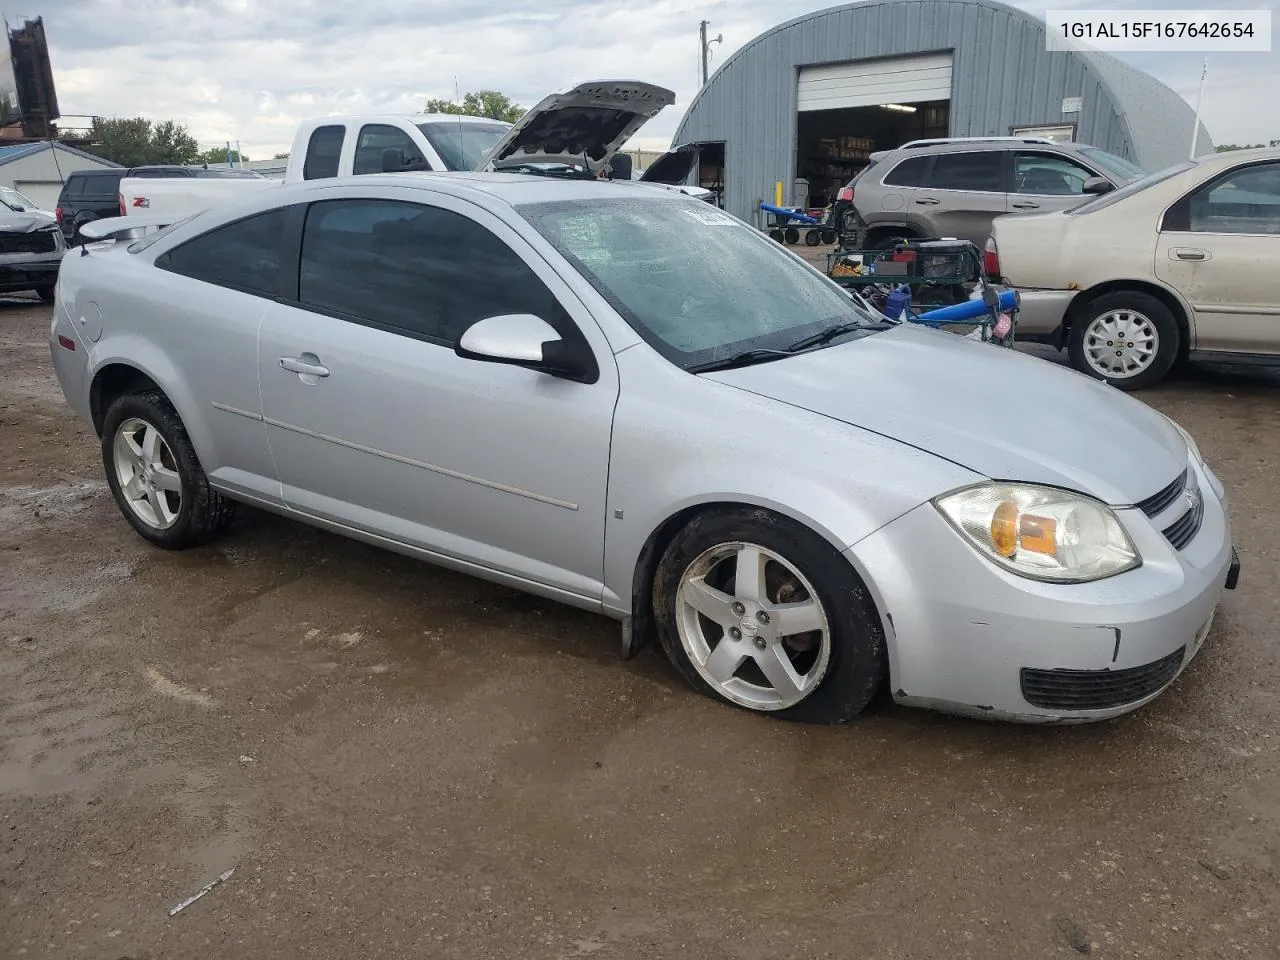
<point>753,626</point>
<point>147,474</point>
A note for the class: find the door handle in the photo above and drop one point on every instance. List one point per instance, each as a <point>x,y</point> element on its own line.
<point>302,367</point>
<point>928,201</point>
<point>1186,254</point>
<point>1026,205</point>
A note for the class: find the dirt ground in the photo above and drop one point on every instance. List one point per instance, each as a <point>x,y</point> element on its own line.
<point>403,762</point>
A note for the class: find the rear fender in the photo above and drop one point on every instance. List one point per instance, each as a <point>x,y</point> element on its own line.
<point>130,350</point>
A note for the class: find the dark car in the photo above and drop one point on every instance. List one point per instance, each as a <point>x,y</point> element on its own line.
<point>95,194</point>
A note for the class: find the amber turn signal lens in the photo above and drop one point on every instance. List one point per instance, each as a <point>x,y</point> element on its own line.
<point>1038,534</point>
<point>1004,529</point>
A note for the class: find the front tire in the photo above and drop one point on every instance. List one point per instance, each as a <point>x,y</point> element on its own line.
<point>156,477</point>
<point>1127,338</point>
<point>761,612</point>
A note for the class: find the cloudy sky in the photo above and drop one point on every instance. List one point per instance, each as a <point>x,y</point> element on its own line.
<point>252,69</point>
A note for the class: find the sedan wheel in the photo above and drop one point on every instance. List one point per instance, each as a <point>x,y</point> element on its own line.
<point>155,475</point>
<point>759,611</point>
<point>147,474</point>
<point>752,626</point>
<point>1128,338</point>
<point>1121,343</point>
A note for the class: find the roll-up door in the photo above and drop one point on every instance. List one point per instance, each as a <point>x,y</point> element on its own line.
<point>868,83</point>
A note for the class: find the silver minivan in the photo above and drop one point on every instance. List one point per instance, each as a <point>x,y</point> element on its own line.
<point>955,188</point>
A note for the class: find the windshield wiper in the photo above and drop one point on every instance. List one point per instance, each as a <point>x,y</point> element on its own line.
<point>743,358</point>
<point>830,333</point>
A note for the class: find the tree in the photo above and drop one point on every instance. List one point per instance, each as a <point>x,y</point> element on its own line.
<point>217,157</point>
<point>482,103</point>
<point>1228,147</point>
<point>137,142</point>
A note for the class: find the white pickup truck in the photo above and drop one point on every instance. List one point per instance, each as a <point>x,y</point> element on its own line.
<point>575,133</point>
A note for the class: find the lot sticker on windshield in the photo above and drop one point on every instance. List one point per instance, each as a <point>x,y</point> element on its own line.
<point>710,218</point>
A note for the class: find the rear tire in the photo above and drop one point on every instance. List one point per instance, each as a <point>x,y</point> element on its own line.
<point>1128,339</point>
<point>156,477</point>
<point>703,598</point>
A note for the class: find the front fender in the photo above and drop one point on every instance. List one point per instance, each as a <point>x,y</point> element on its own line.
<point>727,446</point>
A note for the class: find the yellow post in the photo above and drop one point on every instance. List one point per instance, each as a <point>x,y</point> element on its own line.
<point>777,193</point>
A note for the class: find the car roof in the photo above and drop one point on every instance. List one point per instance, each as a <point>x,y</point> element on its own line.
<point>1230,158</point>
<point>994,143</point>
<point>413,118</point>
<point>510,188</point>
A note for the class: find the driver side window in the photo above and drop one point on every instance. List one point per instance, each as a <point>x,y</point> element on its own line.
<point>1244,202</point>
<point>377,137</point>
<point>1048,175</point>
<point>416,270</point>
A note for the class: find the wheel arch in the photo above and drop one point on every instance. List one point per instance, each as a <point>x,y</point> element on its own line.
<point>1181,312</point>
<point>137,367</point>
<point>655,545</point>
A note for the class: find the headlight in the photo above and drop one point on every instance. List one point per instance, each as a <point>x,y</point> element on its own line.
<point>1041,532</point>
<point>1191,444</point>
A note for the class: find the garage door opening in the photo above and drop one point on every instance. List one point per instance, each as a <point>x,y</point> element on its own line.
<point>849,110</point>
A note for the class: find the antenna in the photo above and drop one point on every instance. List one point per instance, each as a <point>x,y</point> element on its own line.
<point>457,93</point>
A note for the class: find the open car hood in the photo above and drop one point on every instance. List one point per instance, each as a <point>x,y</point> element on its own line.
<point>674,166</point>
<point>585,126</point>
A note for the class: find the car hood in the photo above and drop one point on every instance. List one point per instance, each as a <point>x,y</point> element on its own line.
<point>28,221</point>
<point>588,124</point>
<point>1005,415</point>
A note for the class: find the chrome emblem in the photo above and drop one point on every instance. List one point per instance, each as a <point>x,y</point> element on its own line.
<point>1193,497</point>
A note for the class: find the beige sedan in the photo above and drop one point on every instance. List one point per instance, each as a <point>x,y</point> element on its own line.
<point>1183,261</point>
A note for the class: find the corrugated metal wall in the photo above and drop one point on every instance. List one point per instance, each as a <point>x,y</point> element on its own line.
<point>1002,77</point>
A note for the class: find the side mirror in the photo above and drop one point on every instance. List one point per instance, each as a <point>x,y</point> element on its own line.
<point>1097,185</point>
<point>523,340</point>
<point>392,160</point>
<point>620,167</point>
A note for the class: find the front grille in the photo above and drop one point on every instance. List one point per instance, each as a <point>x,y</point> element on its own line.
<point>42,241</point>
<point>1183,530</point>
<point>1097,689</point>
<point>1157,504</point>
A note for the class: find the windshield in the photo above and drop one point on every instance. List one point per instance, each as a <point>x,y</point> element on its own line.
<point>463,145</point>
<point>1129,189</point>
<point>697,284</point>
<point>1118,167</point>
<point>14,200</point>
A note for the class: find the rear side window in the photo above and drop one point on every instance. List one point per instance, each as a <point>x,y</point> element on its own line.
<point>977,170</point>
<point>377,137</point>
<point>323,151</point>
<point>74,187</point>
<point>909,173</point>
<point>100,186</point>
<point>244,255</point>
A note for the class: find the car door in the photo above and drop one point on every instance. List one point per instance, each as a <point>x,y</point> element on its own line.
<point>217,287</point>
<point>1045,181</point>
<point>1219,246</point>
<point>964,193</point>
<point>376,423</point>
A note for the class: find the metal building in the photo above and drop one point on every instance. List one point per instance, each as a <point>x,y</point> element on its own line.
<point>811,98</point>
<point>38,170</point>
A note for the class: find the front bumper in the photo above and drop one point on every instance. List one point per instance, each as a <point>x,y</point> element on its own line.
<point>26,272</point>
<point>966,636</point>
